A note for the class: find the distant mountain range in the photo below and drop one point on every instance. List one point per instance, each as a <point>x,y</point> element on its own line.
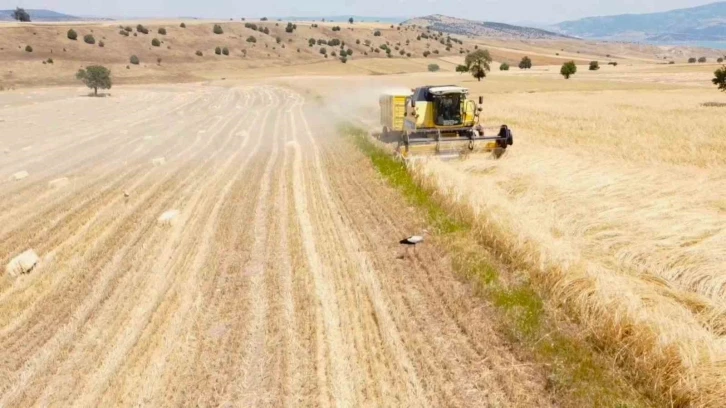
<point>462,26</point>
<point>702,23</point>
<point>39,15</point>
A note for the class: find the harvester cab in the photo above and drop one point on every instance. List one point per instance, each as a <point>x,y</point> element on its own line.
<point>440,121</point>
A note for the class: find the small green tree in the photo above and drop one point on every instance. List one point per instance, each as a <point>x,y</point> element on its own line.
<point>504,67</point>
<point>251,39</point>
<point>218,51</point>
<point>124,33</point>
<point>134,60</point>
<point>719,60</point>
<point>477,63</point>
<point>434,67</point>
<point>95,77</point>
<point>155,42</point>
<point>140,28</point>
<point>225,51</point>
<point>217,29</point>
<point>182,25</point>
<point>28,48</point>
<point>720,78</point>
<point>162,30</point>
<point>691,60</point>
<point>199,53</point>
<point>72,34</point>
<point>350,20</point>
<point>21,15</point>
<point>376,33</point>
<point>568,69</point>
<point>462,68</point>
<point>323,51</point>
<point>525,63</point>
<point>88,39</point>
<point>594,65</point>
<point>702,59</point>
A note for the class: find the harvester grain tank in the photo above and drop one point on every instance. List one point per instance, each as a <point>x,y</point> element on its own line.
<point>438,120</point>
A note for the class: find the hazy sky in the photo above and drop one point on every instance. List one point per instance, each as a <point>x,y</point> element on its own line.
<point>490,10</point>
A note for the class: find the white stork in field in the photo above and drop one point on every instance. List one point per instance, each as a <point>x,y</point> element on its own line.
<point>413,240</point>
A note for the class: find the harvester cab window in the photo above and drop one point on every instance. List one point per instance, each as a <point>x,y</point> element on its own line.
<point>448,110</point>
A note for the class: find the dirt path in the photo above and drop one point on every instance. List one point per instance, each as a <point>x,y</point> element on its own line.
<point>277,284</point>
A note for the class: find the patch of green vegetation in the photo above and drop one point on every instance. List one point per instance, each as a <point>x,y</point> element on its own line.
<point>396,173</point>
<point>576,374</point>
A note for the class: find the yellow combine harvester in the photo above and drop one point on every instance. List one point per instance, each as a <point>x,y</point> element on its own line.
<point>438,120</point>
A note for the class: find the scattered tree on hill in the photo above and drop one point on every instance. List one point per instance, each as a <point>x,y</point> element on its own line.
<point>425,54</point>
<point>702,59</point>
<point>350,52</point>
<point>134,60</point>
<point>217,29</point>
<point>88,39</point>
<point>251,39</point>
<point>691,60</point>
<point>158,61</point>
<point>719,60</point>
<point>101,44</point>
<point>199,53</point>
<point>225,51</point>
<point>263,19</point>
<point>568,69</point>
<point>526,63</point>
<point>141,29</point>
<point>128,29</point>
<point>323,51</point>
<point>218,51</point>
<point>290,28</point>
<point>720,78</point>
<point>162,30</point>
<point>615,63</point>
<point>124,33</point>
<point>266,30</point>
<point>182,25</point>
<point>343,59</point>
<point>72,35</point>
<point>50,60</point>
<point>594,65</point>
<point>477,63</point>
<point>336,28</point>
<point>21,15</point>
<point>433,67</point>
<point>311,42</point>
<point>504,67</point>
<point>28,48</point>
<point>461,69</point>
<point>95,77</point>
<point>155,42</point>
<point>376,33</point>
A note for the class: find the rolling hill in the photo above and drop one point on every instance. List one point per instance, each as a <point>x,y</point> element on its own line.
<point>453,25</point>
<point>703,23</point>
<point>39,15</point>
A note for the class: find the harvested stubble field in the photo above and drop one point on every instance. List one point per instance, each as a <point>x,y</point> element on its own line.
<point>276,284</point>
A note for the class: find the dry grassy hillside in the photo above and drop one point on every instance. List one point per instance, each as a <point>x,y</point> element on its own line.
<point>272,53</point>
<point>178,48</point>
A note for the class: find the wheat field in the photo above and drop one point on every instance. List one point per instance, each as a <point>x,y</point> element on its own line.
<point>612,200</point>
